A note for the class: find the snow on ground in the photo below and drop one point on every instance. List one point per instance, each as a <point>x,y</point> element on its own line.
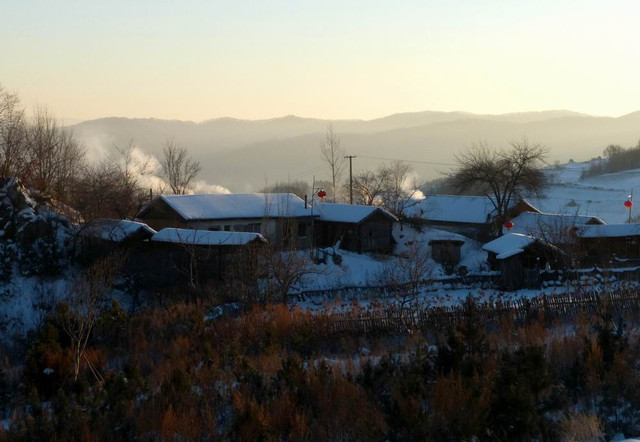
<point>602,196</point>
<point>361,270</point>
<point>24,301</point>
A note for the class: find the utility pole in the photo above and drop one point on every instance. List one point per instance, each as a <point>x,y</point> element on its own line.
<point>351,157</point>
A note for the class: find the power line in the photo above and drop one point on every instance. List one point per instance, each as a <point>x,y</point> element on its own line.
<point>311,170</point>
<point>406,161</point>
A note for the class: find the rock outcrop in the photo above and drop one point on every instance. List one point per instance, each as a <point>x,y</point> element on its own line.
<point>32,235</point>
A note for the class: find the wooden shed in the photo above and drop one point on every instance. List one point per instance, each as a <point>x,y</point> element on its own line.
<point>200,254</point>
<point>102,237</point>
<point>361,229</point>
<point>520,258</point>
<point>446,252</point>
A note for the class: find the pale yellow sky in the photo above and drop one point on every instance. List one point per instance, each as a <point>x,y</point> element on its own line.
<point>206,59</point>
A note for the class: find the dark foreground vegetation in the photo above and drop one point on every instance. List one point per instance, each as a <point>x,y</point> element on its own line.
<point>272,373</point>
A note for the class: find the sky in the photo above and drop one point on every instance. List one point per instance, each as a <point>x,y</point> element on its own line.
<point>197,60</point>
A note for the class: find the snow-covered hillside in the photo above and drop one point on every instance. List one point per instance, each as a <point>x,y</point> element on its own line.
<point>602,196</point>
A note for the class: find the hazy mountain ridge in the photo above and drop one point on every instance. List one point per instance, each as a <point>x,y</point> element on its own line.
<point>244,154</point>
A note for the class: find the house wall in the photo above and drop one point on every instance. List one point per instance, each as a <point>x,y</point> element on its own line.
<point>281,232</point>
<point>372,235</point>
<point>446,253</point>
<point>603,251</point>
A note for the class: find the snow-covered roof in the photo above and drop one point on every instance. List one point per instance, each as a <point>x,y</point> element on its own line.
<point>237,206</point>
<point>116,230</point>
<point>509,244</point>
<point>346,213</point>
<point>609,231</point>
<point>205,237</point>
<point>533,223</point>
<point>453,208</point>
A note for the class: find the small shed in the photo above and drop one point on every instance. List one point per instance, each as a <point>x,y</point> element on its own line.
<point>446,252</point>
<point>361,229</point>
<point>102,237</point>
<point>520,258</point>
<point>202,254</point>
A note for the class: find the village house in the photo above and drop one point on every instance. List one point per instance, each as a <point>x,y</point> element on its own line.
<point>520,258</point>
<point>552,227</point>
<point>609,245</point>
<point>361,229</point>
<point>102,237</point>
<point>282,218</point>
<point>470,216</point>
<point>201,254</point>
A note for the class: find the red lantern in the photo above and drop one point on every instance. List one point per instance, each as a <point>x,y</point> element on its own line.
<point>322,194</point>
<point>628,204</point>
<point>509,225</point>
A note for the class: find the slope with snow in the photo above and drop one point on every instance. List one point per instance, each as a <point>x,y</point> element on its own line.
<point>601,196</point>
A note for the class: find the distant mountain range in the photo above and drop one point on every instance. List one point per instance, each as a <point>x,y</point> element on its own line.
<point>243,155</point>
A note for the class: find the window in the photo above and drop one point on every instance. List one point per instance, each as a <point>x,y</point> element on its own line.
<point>254,228</point>
<point>214,228</point>
<point>302,230</point>
<point>227,228</point>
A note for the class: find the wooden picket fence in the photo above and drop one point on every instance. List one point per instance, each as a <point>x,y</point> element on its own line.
<point>484,281</point>
<point>564,307</point>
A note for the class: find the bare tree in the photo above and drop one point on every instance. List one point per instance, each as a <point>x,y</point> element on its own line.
<point>13,131</point>
<point>178,168</point>
<point>502,175</point>
<point>388,186</point>
<point>404,275</point>
<point>286,269</point>
<point>85,301</point>
<point>54,156</point>
<point>368,187</point>
<point>397,190</point>
<point>333,154</point>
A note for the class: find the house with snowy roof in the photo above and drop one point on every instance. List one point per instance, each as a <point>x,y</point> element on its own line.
<point>201,254</point>
<point>357,228</point>
<point>471,216</point>
<point>610,245</point>
<point>555,228</point>
<point>520,258</point>
<point>104,236</point>
<point>282,218</point>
